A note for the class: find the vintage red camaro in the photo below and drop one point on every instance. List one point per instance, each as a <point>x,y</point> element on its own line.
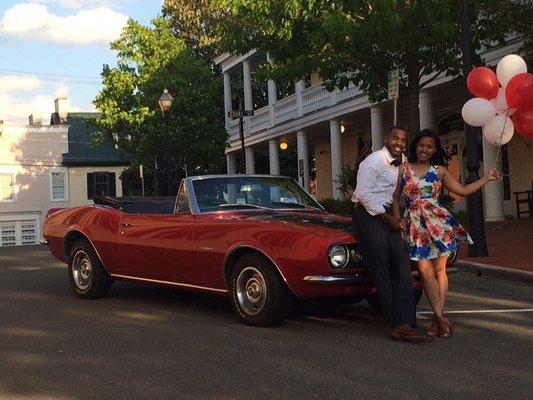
<point>261,239</point>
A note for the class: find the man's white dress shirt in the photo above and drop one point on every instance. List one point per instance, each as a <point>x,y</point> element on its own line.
<point>376,182</point>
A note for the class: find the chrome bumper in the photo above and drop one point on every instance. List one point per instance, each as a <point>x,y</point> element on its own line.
<point>353,279</point>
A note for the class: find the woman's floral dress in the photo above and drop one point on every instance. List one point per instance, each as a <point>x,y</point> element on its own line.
<point>430,229</point>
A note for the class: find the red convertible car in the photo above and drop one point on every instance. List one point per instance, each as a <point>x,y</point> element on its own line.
<point>260,239</point>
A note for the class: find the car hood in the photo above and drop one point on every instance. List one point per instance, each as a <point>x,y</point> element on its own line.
<point>320,224</point>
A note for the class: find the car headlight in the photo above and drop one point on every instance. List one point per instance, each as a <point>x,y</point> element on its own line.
<point>338,256</point>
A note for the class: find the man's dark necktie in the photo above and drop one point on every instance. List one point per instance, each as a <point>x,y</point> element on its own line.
<point>396,161</point>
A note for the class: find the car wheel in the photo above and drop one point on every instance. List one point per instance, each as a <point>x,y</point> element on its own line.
<point>87,276</point>
<point>373,301</point>
<point>258,294</point>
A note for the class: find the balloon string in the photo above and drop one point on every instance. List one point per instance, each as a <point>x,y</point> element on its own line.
<point>501,140</point>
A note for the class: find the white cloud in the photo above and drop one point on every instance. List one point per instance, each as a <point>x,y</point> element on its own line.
<point>19,83</point>
<point>34,21</point>
<point>77,4</point>
<point>15,107</point>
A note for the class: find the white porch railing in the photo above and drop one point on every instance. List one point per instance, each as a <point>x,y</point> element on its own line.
<point>284,109</point>
<point>233,130</point>
<point>314,98</point>
<point>260,120</point>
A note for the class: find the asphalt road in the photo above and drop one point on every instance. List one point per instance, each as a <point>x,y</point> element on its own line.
<point>156,343</point>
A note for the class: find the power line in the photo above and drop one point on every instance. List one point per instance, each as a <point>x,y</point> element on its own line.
<point>16,71</point>
<point>51,79</point>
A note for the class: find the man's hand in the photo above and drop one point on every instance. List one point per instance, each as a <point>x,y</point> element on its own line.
<point>393,222</point>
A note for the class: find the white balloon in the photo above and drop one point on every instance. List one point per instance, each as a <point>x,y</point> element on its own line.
<point>478,111</point>
<point>500,103</point>
<point>499,130</point>
<point>508,67</point>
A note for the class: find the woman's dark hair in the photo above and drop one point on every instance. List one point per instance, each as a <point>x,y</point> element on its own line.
<point>439,158</point>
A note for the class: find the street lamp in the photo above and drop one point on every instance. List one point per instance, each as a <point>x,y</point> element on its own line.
<point>474,202</point>
<point>165,102</point>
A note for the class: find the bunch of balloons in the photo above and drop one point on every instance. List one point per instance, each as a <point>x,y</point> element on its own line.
<point>501,110</point>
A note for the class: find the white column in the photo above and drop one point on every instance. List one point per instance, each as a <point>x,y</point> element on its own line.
<point>248,99</point>
<point>273,156</point>
<point>272,98</point>
<point>336,156</point>
<point>493,191</point>
<point>272,92</point>
<point>303,159</point>
<point>231,163</point>
<point>376,123</point>
<point>298,89</point>
<point>426,110</point>
<point>227,97</point>
<point>247,81</point>
<point>272,89</point>
<point>250,160</point>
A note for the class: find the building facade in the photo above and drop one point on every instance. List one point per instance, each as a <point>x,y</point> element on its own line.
<point>51,166</point>
<point>91,170</point>
<point>328,131</point>
<point>32,179</point>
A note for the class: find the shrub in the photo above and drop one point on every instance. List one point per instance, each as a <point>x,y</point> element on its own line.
<point>341,207</point>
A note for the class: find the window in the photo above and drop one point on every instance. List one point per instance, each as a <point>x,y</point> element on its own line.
<point>182,203</point>
<point>7,235</point>
<point>100,184</point>
<point>7,187</point>
<point>28,232</point>
<point>59,186</point>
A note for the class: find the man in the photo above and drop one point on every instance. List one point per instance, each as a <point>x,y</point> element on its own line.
<point>378,233</point>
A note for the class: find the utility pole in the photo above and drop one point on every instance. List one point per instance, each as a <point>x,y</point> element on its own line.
<point>474,202</point>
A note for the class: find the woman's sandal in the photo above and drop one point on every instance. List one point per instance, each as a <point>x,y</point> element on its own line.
<point>444,327</point>
<point>433,329</point>
<point>449,322</point>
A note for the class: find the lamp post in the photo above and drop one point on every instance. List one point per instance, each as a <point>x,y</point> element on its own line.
<point>165,102</point>
<point>474,202</point>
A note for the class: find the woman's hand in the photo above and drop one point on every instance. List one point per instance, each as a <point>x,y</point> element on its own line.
<point>494,175</point>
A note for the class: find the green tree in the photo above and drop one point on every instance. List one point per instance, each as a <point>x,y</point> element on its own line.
<point>194,22</point>
<point>191,137</point>
<point>361,40</point>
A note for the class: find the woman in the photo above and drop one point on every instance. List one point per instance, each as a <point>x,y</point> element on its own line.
<point>431,231</point>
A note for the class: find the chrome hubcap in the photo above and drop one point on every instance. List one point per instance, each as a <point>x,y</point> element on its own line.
<point>251,291</point>
<point>82,270</point>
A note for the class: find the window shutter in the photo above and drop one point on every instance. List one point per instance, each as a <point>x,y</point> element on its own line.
<point>111,184</point>
<point>90,185</point>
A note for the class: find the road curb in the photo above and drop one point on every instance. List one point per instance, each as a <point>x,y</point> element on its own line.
<point>494,271</point>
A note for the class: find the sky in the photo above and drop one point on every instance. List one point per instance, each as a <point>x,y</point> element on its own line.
<point>56,48</point>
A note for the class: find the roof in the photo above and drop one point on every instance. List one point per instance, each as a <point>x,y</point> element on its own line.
<point>80,151</point>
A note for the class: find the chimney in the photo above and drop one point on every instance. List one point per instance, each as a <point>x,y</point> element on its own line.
<point>35,119</point>
<point>60,114</point>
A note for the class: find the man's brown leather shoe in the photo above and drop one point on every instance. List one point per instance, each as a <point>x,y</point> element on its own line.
<point>407,333</point>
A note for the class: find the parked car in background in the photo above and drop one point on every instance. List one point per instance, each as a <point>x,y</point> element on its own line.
<point>261,240</point>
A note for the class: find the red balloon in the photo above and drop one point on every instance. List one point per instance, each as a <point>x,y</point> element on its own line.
<point>482,82</point>
<point>523,122</point>
<point>519,92</point>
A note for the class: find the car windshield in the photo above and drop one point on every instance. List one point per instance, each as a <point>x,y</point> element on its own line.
<point>247,192</point>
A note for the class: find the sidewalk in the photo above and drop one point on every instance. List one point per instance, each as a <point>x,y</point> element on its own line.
<point>510,246</point>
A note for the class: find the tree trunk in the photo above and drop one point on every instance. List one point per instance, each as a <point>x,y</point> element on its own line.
<point>413,92</point>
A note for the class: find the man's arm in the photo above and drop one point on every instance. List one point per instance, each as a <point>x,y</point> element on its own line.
<point>366,178</point>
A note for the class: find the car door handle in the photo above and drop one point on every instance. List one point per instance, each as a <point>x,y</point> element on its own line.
<point>125,224</point>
